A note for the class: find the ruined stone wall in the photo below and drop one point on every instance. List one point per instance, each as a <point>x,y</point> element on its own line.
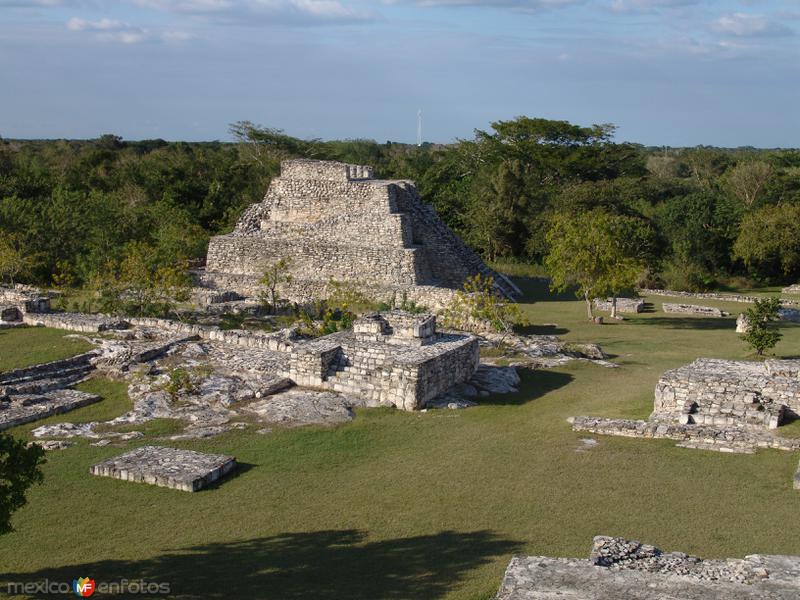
<point>728,393</point>
<point>315,259</point>
<point>624,305</point>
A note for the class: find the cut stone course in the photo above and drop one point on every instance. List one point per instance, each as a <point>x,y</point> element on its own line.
<point>184,470</point>
<point>620,569</point>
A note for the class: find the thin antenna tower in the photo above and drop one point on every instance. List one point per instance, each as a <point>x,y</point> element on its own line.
<point>419,127</point>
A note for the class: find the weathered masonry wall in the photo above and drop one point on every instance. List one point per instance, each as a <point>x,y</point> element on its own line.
<point>624,305</point>
<point>333,221</point>
<point>729,393</point>
<point>404,365</point>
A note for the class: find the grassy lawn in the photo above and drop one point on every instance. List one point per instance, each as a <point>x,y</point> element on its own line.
<point>28,346</point>
<point>423,505</point>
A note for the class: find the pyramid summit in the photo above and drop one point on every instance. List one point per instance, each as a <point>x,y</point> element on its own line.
<point>336,222</point>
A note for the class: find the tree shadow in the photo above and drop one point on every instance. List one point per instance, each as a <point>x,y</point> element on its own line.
<point>549,329</point>
<point>534,383</point>
<point>534,290</point>
<point>323,565</point>
<point>705,323</point>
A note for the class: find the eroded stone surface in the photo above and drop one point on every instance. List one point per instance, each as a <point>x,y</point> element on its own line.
<point>185,470</point>
<point>304,407</point>
<point>619,569</point>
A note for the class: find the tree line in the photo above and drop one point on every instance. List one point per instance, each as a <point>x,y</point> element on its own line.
<point>80,212</point>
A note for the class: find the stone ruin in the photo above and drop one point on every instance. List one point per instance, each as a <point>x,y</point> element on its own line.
<point>729,393</point>
<point>694,309</point>
<point>714,404</point>
<point>624,305</point>
<point>18,301</point>
<point>184,470</point>
<point>629,570</point>
<point>390,359</point>
<point>334,221</point>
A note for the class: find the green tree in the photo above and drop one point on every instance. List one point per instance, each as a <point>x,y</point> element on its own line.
<point>273,275</point>
<point>477,307</point>
<point>748,180</point>
<point>591,251</point>
<point>761,334</point>
<point>15,259</point>
<point>19,469</point>
<point>769,240</point>
<point>142,283</point>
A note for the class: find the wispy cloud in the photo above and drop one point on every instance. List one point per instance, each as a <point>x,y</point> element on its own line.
<point>281,11</point>
<point>650,5</point>
<point>112,30</point>
<point>526,5</point>
<point>747,25</point>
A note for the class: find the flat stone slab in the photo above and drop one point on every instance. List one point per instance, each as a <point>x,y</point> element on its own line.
<point>185,470</point>
<point>642,572</point>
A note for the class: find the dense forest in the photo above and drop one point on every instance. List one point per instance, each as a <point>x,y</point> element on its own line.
<point>74,211</point>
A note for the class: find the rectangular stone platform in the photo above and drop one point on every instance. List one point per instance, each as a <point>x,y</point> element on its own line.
<point>184,470</point>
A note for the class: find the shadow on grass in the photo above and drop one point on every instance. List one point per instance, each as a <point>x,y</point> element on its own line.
<point>541,330</point>
<point>539,291</point>
<point>324,565</point>
<point>241,469</point>
<point>534,383</point>
<point>689,323</point>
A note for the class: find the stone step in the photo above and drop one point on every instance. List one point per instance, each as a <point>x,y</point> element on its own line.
<point>48,370</point>
<point>41,386</point>
<point>32,407</point>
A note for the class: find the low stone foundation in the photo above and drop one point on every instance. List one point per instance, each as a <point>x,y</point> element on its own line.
<point>619,569</point>
<point>624,305</point>
<point>711,296</point>
<point>729,393</point>
<point>694,309</point>
<point>81,322</point>
<point>184,470</point>
<point>736,440</point>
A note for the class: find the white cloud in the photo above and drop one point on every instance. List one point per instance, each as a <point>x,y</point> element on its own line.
<point>746,25</point>
<point>650,5</point>
<point>112,30</point>
<point>76,24</point>
<point>291,11</point>
<point>528,5</point>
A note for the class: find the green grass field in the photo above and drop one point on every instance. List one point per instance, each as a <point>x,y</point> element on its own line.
<point>419,505</point>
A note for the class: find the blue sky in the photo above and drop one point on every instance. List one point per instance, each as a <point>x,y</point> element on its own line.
<point>675,72</point>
